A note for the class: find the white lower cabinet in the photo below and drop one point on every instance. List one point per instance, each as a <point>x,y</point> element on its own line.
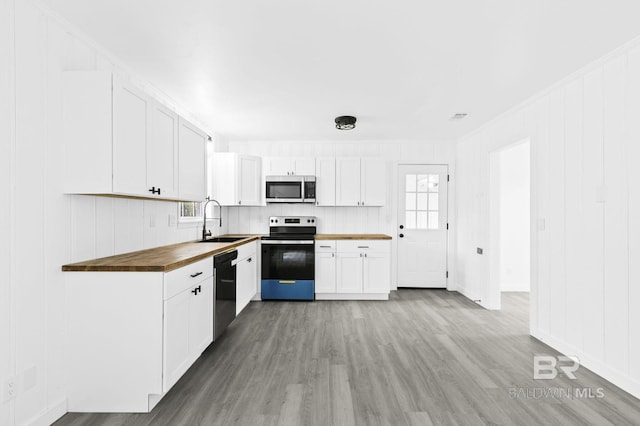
<point>246,275</point>
<point>353,270</point>
<point>132,335</point>
<point>325,280</point>
<point>188,330</point>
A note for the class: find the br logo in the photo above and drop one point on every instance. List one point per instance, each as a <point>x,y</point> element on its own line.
<point>545,367</point>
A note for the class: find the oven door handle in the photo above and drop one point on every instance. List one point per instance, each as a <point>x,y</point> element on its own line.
<point>298,242</point>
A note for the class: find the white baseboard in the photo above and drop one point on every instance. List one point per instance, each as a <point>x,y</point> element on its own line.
<point>352,296</point>
<point>471,296</point>
<point>47,418</point>
<point>618,378</point>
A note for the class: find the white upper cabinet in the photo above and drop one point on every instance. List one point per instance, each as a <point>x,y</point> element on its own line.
<point>373,181</point>
<point>192,165</point>
<point>248,179</point>
<point>236,179</point>
<point>162,152</point>
<point>348,181</point>
<point>87,124</point>
<point>304,166</point>
<point>326,181</point>
<point>287,166</point>
<point>131,111</point>
<point>121,141</point>
<point>360,181</point>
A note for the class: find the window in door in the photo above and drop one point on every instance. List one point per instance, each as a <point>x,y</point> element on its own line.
<point>421,201</point>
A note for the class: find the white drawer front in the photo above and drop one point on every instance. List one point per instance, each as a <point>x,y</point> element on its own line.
<point>325,246</point>
<point>246,250</point>
<point>182,278</point>
<point>363,245</point>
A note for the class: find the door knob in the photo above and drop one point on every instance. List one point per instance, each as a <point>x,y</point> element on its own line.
<point>401,235</point>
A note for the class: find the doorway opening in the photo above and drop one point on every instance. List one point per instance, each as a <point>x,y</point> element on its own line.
<point>510,223</point>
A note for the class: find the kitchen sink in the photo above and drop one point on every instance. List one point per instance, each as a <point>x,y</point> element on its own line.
<point>222,240</point>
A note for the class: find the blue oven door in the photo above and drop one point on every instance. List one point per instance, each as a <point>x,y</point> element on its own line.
<point>288,270</point>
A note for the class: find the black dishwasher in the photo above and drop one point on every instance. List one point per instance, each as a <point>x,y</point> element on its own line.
<point>224,294</point>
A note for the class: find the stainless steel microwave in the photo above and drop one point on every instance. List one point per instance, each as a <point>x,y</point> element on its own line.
<point>291,189</point>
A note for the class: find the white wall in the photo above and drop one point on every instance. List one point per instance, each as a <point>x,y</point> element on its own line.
<point>43,228</point>
<point>347,219</point>
<point>585,210</point>
<point>6,149</point>
<point>514,218</point>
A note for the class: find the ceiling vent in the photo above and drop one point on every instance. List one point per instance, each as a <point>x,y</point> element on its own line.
<point>459,116</point>
<point>345,122</point>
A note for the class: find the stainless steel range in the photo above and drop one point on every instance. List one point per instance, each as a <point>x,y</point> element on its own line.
<point>288,258</point>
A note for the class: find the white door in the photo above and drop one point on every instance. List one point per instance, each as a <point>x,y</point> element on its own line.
<point>176,339</point>
<point>349,272</point>
<point>130,117</point>
<point>192,162</point>
<point>373,181</point>
<point>277,166</point>
<point>348,181</point>
<point>326,181</point>
<point>305,166</point>
<point>325,279</point>
<point>249,176</point>
<point>376,272</point>
<point>422,226</point>
<point>162,152</point>
<point>200,317</point>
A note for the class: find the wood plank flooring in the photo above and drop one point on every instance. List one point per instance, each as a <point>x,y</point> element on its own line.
<point>424,357</point>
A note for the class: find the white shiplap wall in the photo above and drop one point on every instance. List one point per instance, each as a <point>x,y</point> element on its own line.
<point>6,176</point>
<point>585,213</point>
<point>347,219</point>
<point>44,228</point>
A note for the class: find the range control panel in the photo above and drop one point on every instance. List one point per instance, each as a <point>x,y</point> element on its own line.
<point>292,221</point>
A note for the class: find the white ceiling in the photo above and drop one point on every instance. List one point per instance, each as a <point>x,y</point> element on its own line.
<point>283,69</point>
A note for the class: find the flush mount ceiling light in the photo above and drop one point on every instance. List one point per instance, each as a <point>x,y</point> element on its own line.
<point>345,122</point>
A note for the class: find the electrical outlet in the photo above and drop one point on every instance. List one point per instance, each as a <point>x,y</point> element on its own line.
<point>11,388</point>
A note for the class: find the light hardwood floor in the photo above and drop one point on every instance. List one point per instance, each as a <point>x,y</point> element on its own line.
<point>424,357</point>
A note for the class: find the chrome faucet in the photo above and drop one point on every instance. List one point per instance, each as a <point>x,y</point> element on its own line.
<point>206,233</point>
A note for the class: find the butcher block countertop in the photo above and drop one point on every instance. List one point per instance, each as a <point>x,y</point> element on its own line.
<point>352,237</point>
<point>159,259</point>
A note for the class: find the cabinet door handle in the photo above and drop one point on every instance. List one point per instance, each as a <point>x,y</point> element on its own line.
<point>249,260</point>
<point>153,190</point>
<point>325,246</point>
<point>240,202</point>
<point>196,290</point>
<point>333,255</point>
<point>365,255</point>
<point>196,274</point>
<point>362,203</point>
<point>363,246</point>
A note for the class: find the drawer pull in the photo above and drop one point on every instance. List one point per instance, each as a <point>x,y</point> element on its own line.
<point>196,274</point>
<point>287,281</point>
<point>325,246</point>
<point>363,246</point>
<point>196,290</point>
